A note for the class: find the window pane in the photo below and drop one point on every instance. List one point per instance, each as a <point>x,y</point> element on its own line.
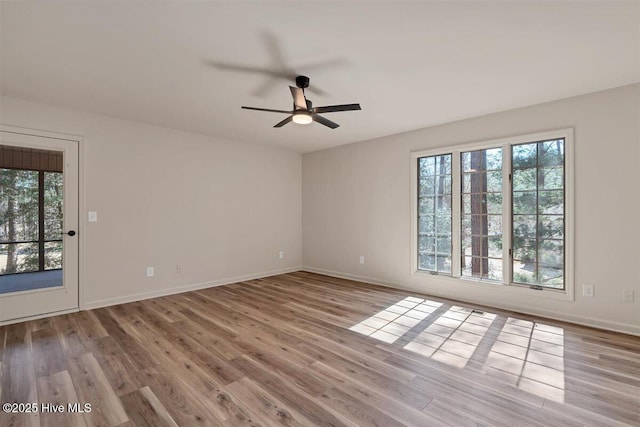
<point>18,205</point>
<point>18,258</point>
<point>524,202</point>
<point>551,178</point>
<point>524,272</point>
<point>495,224</point>
<point>524,226</point>
<point>52,205</point>
<point>494,203</point>
<point>443,263</point>
<point>524,155</point>
<point>494,159</point>
<point>494,181</point>
<point>443,205</point>
<point>434,213</point>
<point>524,249</point>
<point>495,246</point>
<point>538,213</point>
<point>481,185</point>
<point>482,182</point>
<point>52,255</point>
<point>426,166</point>
<point>426,245</point>
<point>443,225</point>
<point>495,270</point>
<point>427,262</point>
<point>443,165</point>
<point>471,267</point>
<point>482,268</point>
<point>444,245</point>
<point>551,153</point>
<point>427,186</point>
<point>426,224</point>
<point>551,226</point>
<point>552,277</point>
<point>551,202</point>
<point>551,252</point>
<point>524,179</point>
<point>426,205</point>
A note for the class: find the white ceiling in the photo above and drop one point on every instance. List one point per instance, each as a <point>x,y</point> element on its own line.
<point>410,65</point>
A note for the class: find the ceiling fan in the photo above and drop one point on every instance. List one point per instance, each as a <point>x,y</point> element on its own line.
<point>303,111</point>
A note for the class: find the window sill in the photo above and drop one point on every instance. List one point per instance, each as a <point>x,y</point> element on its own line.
<point>524,290</point>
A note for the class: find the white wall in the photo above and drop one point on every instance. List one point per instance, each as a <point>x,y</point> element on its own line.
<point>356,201</point>
<point>221,209</point>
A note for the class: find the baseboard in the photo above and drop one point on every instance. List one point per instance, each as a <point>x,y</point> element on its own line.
<point>626,328</point>
<point>38,316</point>
<point>181,289</point>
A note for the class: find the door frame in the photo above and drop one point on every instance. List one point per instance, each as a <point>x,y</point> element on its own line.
<point>81,210</point>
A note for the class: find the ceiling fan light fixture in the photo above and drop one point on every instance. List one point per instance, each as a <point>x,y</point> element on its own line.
<point>304,112</point>
<point>302,118</point>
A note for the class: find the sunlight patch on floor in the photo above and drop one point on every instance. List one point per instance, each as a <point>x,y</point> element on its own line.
<point>525,354</point>
<point>396,320</point>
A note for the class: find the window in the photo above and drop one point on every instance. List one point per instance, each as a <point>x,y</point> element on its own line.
<point>481,231</point>
<point>434,213</point>
<point>497,212</point>
<point>538,212</point>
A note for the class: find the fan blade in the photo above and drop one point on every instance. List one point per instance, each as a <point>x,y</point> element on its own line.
<point>323,121</point>
<point>316,90</point>
<point>298,98</point>
<point>284,122</point>
<point>334,108</point>
<point>280,73</point>
<point>267,109</point>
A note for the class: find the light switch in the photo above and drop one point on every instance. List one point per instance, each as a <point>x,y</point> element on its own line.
<point>93,216</point>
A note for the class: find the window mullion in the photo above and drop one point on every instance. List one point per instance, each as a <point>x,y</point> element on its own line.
<point>507,221</point>
<point>456,216</point>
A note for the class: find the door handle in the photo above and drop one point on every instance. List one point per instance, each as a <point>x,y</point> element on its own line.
<point>70,233</point>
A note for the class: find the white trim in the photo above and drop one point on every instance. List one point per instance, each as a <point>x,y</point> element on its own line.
<point>38,316</point>
<point>38,132</point>
<point>507,266</point>
<point>186,288</point>
<point>77,155</point>
<point>82,225</point>
<point>414,213</point>
<point>569,217</point>
<point>456,218</point>
<point>626,328</point>
<point>81,195</point>
<point>568,293</point>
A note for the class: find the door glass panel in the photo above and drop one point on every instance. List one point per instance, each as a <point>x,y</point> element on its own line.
<point>31,219</point>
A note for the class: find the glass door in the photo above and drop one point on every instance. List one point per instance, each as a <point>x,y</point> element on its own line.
<point>38,225</point>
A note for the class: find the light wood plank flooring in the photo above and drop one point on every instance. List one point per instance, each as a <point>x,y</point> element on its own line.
<point>303,349</point>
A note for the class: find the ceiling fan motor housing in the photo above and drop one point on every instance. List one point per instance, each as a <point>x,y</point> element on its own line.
<point>302,82</point>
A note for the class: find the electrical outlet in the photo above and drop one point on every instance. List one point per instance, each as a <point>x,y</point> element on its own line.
<point>361,259</point>
<point>587,290</point>
<point>149,271</point>
<point>93,216</point>
<point>178,268</point>
<point>628,295</point>
<point>281,254</point>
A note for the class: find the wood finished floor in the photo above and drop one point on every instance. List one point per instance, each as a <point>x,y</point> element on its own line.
<point>303,349</point>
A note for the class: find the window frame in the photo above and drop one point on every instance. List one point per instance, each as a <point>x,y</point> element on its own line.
<point>507,284</point>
